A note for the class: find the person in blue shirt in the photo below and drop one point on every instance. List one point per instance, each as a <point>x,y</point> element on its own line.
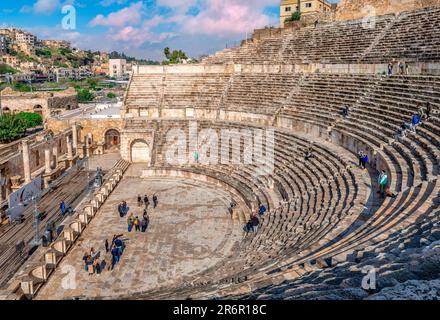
<point>62,208</point>
<point>262,210</point>
<point>415,121</point>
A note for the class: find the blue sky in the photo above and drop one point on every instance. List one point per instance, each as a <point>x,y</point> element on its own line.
<point>142,28</point>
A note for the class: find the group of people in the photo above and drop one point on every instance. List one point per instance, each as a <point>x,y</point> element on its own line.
<point>253,223</point>
<point>65,210</point>
<point>92,263</point>
<point>146,201</point>
<point>403,68</point>
<point>138,224</point>
<point>423,114</point>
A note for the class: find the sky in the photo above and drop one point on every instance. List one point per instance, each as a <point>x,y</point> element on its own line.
<point>142,28</point>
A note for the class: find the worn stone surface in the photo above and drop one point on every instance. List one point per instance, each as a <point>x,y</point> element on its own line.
<point>189,232</point>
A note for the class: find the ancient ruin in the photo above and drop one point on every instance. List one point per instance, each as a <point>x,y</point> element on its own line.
<point>277,122</point>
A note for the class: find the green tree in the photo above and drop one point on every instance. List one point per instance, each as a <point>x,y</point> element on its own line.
<point>4,68</point>
<point>11,128</point>
<point>30,119</point>
<point>84,95</point>
<point>111,95</point>
<point>174,57</point>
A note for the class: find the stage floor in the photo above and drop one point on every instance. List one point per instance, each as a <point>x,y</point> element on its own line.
<point>190,231</point>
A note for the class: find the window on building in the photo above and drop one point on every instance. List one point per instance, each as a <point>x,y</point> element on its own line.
<point>288,9</point>
<point>308,5</point>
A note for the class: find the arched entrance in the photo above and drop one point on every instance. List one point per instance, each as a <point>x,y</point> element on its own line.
<point>112,139</point>
<point>140,152</point>
<point>38,109</point>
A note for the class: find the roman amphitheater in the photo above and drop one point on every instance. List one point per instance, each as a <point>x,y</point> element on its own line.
<point>235,129</point>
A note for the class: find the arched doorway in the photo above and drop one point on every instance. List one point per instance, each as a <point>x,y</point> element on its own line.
<point>38,109</point>
<point>112,139</point>
<point>140,152</point>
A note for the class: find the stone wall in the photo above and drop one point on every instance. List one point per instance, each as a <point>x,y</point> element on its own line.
<point>357,9</point>
<point>46,103</point>
<point>96,127</point>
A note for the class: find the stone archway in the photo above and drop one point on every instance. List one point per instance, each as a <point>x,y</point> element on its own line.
<point>38,109</point>
<point>112,139</point>
<point>140,152</point>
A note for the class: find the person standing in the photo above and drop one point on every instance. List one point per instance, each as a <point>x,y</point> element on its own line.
<point>137,224</point>
<point>139,201</point>
<point>155,201</point>
<point>146,201</point>
<point>383,182</point>
<point>106,244</point>
<point>62,208</point>
<point>144,224</point>
<point>130,222</point>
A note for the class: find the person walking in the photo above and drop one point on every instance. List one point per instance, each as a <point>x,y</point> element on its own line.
<point>137,224</point>
<point>144,224</point>
<point>361,157</point>
<point>146,201</point>
<point>106,244</point>
<point>139,200</point>
<point>428,110</point>
<point>155,201</point>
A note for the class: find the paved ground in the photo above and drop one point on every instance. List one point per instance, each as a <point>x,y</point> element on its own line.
<point>189,232</point>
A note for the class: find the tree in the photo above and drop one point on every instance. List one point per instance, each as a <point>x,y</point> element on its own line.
<point>11,128</point>
<point>84,95</point>
<point>111,95</point>
<point>30,119</point>
<point>174,57</point>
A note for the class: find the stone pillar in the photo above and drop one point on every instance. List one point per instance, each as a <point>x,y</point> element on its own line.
<point>55,153</point>
<point>69,148</point>
<point>26,161</point>
<point>75,137</point>
<point>47,161</point>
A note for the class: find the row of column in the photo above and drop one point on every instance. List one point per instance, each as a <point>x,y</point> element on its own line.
<point>71,147</point>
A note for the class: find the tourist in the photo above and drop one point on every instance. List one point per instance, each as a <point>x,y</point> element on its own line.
<point>137,223</point>
<point>428,110</point>
<point>401,67</point>
<point>93,253</point>
<point>383,182</point>
<point>196,156</point>
<point>390,69</point>
<point>121,212</point>
<point>248,227</point>
<point>262,210</point>
<point>316,23</point>
<point>62,208</point>
<point>119,244</point>
<point>407,68</point>
<point>107,247</point>
<point>115,256</point>
<point>97,266</point>
<point>364,161</point>
<point>90,265</point>
<point>146,201</point>
<point>130,222</point>
<point>415,122</point>
<point>345,111</point>
<point>155,201</point>
<point>308,154</point>
<point>255,223</point>
<point>139,201</point>
<point>361,159</point>
<point>144,224</point>
<point>85,258</point>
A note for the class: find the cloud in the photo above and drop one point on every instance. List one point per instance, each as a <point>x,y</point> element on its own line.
<point>127,16</point>
<point>107,3</point>
<point>46,6</point>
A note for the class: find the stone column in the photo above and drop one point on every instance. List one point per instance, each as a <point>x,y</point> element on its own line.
<point>47,160</point>
<point>55,153</point>
<point>75,137</point>
<point>26,161</point>
<point>69,148</point>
